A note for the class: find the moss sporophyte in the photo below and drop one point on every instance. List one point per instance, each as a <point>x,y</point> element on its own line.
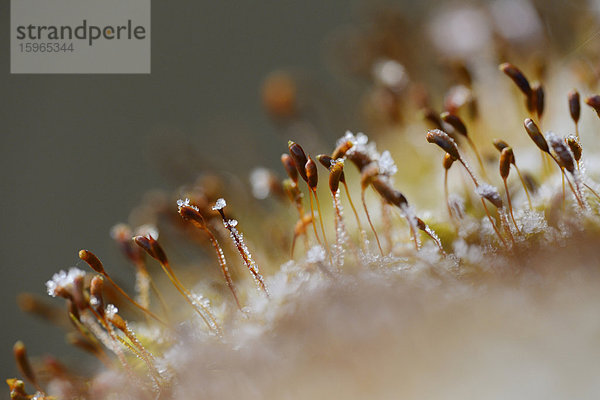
<point>447,282</point>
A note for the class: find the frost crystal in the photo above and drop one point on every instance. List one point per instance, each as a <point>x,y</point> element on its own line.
<point>260,179</point>
<point>219,205</point>
<point>63,281</point>
<point>341,235</point>
<point>238,240</point>
<point>186,203</point>
<point>316,254</point>
<point>387,166</point>
<point>489,192</point>
<point>552,138</point>
<point>362,146</point>
<point>111,310</point>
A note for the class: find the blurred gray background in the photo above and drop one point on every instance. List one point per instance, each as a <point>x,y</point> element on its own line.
<point>79,151</point>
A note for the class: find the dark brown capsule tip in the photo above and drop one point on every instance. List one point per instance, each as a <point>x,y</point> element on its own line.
<point>517,77</point>
<point>299,158</point>
<point>538,99</point>
<point>190,213</point>
<point>441,138</point>
<point>575,147</point>
<point>91,259</point>
<point>144,243</point>
<point>534,133</point>
<point>574,105</point>
<point>506,158</point>
<point>454,121</point>
<point>335,174</point>
<point>594,102</point>
<point>563,155</point>
<point>159,253</point>
<point>500,144</point>
<point>325,160</point>
<point>312,173</point>
<point>290,167</point>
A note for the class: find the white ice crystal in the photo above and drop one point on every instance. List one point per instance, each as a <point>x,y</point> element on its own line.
<point>186,203</point>
<point>219,205</point>
<point>532,221</point>
<point>110,310</point>
<point>315,254</point>
<point>63,280</point>
<point>387,166</point>
<point>552,138</point>
<point>488,191</point>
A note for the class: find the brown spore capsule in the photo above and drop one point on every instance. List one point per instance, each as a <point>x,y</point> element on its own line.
<point>500,144</point>
<point>388,193</point>
<point>454,121</point>
<point>448,161</point>
<point>299,158</point>
<point>575,147</point>
<point>563,155</point>
<point>517,77</point>
<point>191,213</point>
<point>574,105</point>
<point>537,93</point>
<point>594,102</point>
<point>290,167</point>
<point>506,158</point>
<point>325,161</point>
<point>341,149</point>
<point>335,174</point>
<point>444,141</point>
<point>312,174</point>
<point>93,261</point>
<point>151,246</point>
<point>534,133</point>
